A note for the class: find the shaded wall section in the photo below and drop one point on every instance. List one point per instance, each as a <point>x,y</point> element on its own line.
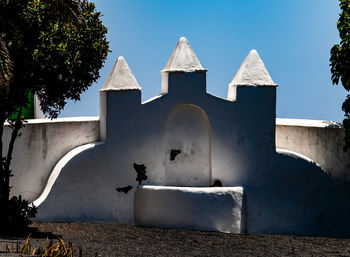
<point>321,141</point>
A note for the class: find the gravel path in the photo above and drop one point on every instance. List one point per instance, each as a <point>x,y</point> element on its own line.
<point>129,240</point>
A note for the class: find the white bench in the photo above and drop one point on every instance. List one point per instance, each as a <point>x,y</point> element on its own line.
<point>198,208</point>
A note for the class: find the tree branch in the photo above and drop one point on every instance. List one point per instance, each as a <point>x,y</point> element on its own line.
<point>18,125</point>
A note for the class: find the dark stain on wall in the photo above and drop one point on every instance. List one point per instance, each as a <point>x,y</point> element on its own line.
<point>174,153</point>
<point>45,140</point>
<point>141,172</point>
<point>217,183</point>
<point>125,190</point>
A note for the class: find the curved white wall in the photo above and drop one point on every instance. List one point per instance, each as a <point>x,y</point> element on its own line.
<point>321,141</point>
<point>41,146</point>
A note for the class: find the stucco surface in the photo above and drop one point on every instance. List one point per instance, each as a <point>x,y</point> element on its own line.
<point>90,190</point>
<point>252,72</point>
<point>57,170</point>
<point>297,197</point>
<point>136,133</point>
<point>42,144</point>
<point>200,208</point>
<point>285,192</point>
<point>188,144</point>
<point>121,77</point>
<point>321,141</point>
<point>183,59</point>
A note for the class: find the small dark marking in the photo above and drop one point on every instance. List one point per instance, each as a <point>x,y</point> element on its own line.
<point>217,183</point>
<point>141,172</point>
<point>124,189</point>
<point>174,153</point>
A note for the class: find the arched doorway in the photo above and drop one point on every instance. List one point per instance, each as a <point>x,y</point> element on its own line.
<point>188,147</point>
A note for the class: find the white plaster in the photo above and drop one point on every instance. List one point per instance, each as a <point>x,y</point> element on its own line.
<point>321,141</point>
<point>252,72</point>
<point>90,180</point>
<point>38,113</point>
<point>200,208</point>
<point>308,123</point>
<point>165,84</point>
<point>296,155</point>
<point>296,197</point>
<point>286,193</point>
<point>57,170</point>
<point>232,93</point>
<point>188,131</point>
<point>152,98</point>
<point>66,120</point>
<point>183,59</point>
<point>136,133</point>
<point>42,143</point>
<point>121,77</point>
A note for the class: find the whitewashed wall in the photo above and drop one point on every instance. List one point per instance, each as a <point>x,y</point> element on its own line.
<point>232,140</point>
<point>321,141</point>
<point>42,144</point>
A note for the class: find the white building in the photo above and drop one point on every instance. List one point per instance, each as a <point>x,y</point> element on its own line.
<point>186,140</point>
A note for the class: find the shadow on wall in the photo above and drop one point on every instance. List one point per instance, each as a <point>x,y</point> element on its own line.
<point>187,157</point>
<point>298,197</point>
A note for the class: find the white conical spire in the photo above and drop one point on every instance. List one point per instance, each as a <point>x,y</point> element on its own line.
<point>183,59</point>
<point>121,77</point>
<point>252,72</point>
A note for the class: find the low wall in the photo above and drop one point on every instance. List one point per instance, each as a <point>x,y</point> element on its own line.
<point>42,144</point>
<point>321,141</point>
<point>199,208</point>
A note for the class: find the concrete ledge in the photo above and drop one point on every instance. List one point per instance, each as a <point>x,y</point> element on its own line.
<point>198,208</point>
<point>62,120</point>
<point>308,123</point>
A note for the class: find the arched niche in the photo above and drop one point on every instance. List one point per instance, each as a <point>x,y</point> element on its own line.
<point>188,147</point>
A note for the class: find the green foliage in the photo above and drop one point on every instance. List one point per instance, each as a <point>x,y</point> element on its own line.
<point>56,57</point>
<point>51,48</point>
<point>340,63</point>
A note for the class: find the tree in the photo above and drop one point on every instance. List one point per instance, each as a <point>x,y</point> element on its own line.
<point>53,48</point>
<point>340,63</point>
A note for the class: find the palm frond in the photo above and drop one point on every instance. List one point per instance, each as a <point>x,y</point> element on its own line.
<point>6,66</point>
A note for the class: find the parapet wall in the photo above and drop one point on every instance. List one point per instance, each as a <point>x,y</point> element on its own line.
<point>44,142</point>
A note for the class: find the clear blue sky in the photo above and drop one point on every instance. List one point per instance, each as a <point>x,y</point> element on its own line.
<point>293,39</point>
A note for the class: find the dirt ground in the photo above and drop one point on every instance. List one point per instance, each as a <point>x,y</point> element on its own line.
<point>129,240</point>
